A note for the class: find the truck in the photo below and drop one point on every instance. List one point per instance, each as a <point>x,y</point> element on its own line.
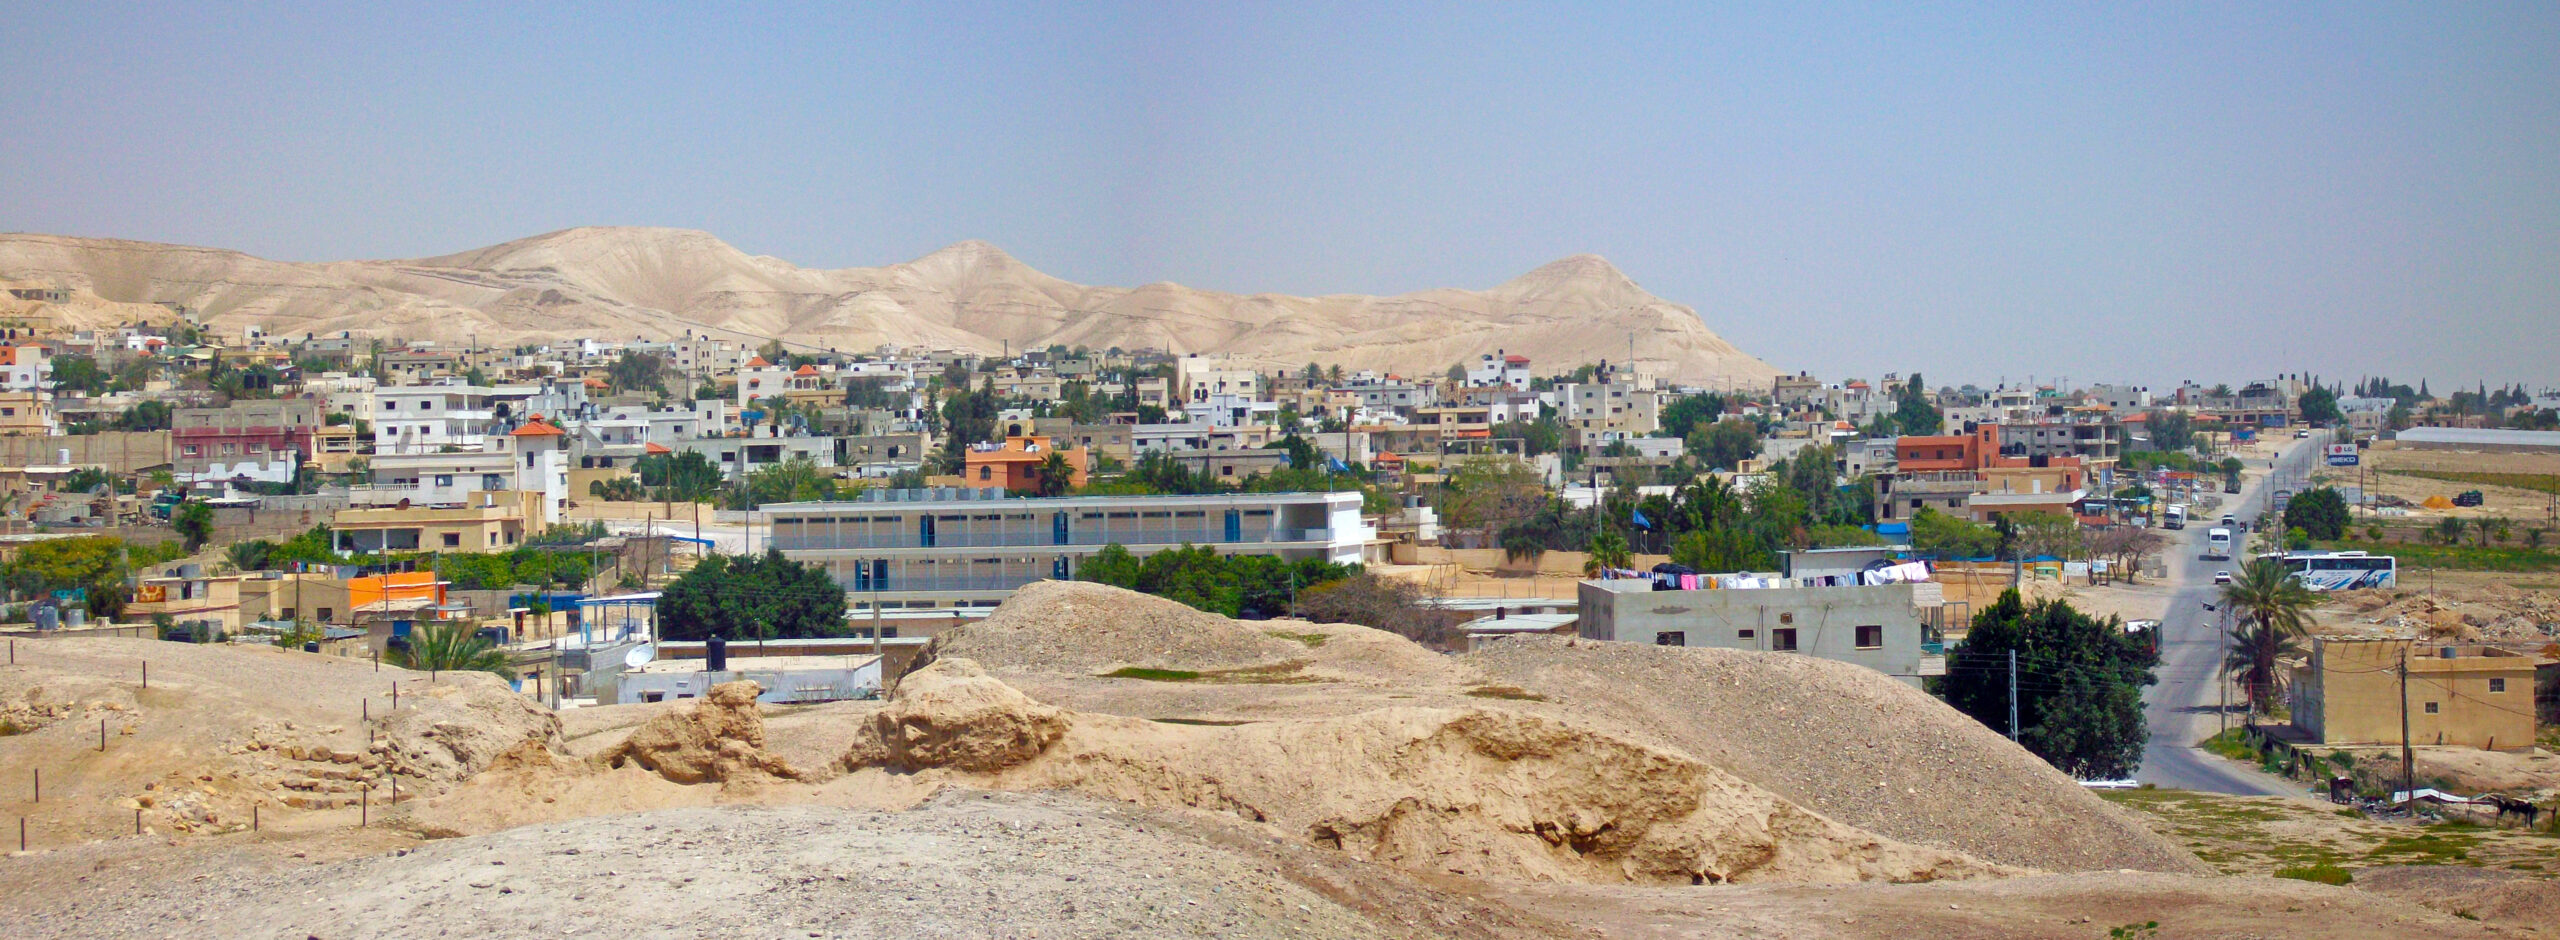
<point>2174,517</point>
<point>2217,544</point>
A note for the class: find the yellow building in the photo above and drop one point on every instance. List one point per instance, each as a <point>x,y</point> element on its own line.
<point>488,521</point>
<point>189,600</point>
<point>317,598</point>
<point>2348,692</point>
<point>26,414</point>
<point>333,446</point>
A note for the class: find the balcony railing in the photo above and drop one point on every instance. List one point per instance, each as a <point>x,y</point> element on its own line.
<point>1134,535</point>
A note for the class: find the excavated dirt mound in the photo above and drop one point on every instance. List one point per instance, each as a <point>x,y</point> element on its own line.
<point>1474,791</point>
<point>719,737</point>
<point>1073,627</point>
<point>1841,740</point>
<point>221,729</point>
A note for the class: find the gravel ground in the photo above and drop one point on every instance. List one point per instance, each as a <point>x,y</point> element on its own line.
<point>964,865</point>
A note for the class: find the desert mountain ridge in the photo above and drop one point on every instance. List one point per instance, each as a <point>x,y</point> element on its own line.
<point>660,283</point>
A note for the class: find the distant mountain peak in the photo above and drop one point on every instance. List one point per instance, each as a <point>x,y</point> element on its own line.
<point>1573,272</point>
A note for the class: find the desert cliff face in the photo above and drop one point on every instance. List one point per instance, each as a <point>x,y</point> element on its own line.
<point>624,283</point>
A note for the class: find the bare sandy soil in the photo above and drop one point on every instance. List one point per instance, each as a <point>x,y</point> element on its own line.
<point>1276,779</point>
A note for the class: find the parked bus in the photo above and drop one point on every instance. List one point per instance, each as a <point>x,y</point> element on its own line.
<point>2174,517</point>
<point>2340,571</point>
<point>2217,544</point>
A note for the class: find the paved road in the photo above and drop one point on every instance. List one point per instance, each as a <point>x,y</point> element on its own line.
<point>2181,708</point>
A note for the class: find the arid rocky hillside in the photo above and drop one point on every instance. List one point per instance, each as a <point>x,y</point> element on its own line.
<point>623,283</point>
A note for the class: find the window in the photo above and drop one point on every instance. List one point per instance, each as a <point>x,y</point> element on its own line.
<point>2431,708</point>
<point>1747,634</point>
<point>453,540</point>
<point>1871,637</point>
<point>2497,685</point>
<point>444,479</point>
<point>193,450</point>
<point>1671,638</point>
<point>1783,639</point>
<point>390,406</point>
<point>986,472</point>
<point>327,613</point>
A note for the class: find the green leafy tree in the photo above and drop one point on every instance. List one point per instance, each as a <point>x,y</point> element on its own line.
<point>451,646</point>
<point>1235,586</point>
<point>79,374</point>
<point>194,522</point>
<point>638,372</point>
<point>1725,444</point>
<point>2321,514</point>
<point>1939,535</point>
<point>250,554</point>
<point>752,597</point>
<point>683,477</point>
<point>145,416</point>
<point>1913,412</point>
<point>2319,405</point>
<point>798,479</point>
<point>2171,430</point>
<point>2079,689</point>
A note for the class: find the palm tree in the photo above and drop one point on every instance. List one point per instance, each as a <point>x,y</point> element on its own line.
<point>2449,530</point>
<point>451,646</point>
<point>1608,550</point>
<point>1054,476</point>
<point>2275,610</point>
<point>2253,656</point>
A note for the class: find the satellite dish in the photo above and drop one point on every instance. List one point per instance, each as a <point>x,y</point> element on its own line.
<point>639,656</point>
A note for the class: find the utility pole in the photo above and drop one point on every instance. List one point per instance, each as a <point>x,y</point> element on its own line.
<point>2013,696</point>
<point>2406,765</point>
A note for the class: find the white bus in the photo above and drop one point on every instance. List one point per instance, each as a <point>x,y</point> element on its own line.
<point>2217,544</point>
<point>2340,571</point>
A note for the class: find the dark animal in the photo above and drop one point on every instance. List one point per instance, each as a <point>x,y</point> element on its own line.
<point>2342,789</point>
<point>2510,805</point>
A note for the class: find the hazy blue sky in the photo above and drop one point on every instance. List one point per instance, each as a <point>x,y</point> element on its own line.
<point>2207,190</point>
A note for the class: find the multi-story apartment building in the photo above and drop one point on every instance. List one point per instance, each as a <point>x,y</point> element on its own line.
<point>1600,412</point>
<point>25,368</point>
<point>1500,367</point>
<point>251,440</point>
<point>27,414</point>
<point>974,548</point>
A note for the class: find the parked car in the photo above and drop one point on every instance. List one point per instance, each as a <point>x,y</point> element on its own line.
<point>2222,577</point>
<point>2468,498</point>
<point>2300,433</point>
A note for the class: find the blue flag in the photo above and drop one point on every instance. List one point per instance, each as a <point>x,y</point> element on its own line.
<point>1336,465</point>
<point>1642,522</point>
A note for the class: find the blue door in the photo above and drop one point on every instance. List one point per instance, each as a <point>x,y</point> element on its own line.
<point>880,574</point>
<point>924,531</point>
<point>1235,526</point>
<point>1058,528</point>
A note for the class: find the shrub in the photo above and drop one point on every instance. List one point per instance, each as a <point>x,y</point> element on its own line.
<point>2322,872</point>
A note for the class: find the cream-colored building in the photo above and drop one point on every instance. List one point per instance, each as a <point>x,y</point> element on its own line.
<point>489,521</point>
<point>2348,692</point>
<point>189,600</point>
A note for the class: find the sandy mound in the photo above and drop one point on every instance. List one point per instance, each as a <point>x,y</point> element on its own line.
<point>717,738</point>
<point>958,717</point>
<point>1843,741</point>
<point>1074,627</point>
<point>222,728</point>
<point>1475,791</point>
